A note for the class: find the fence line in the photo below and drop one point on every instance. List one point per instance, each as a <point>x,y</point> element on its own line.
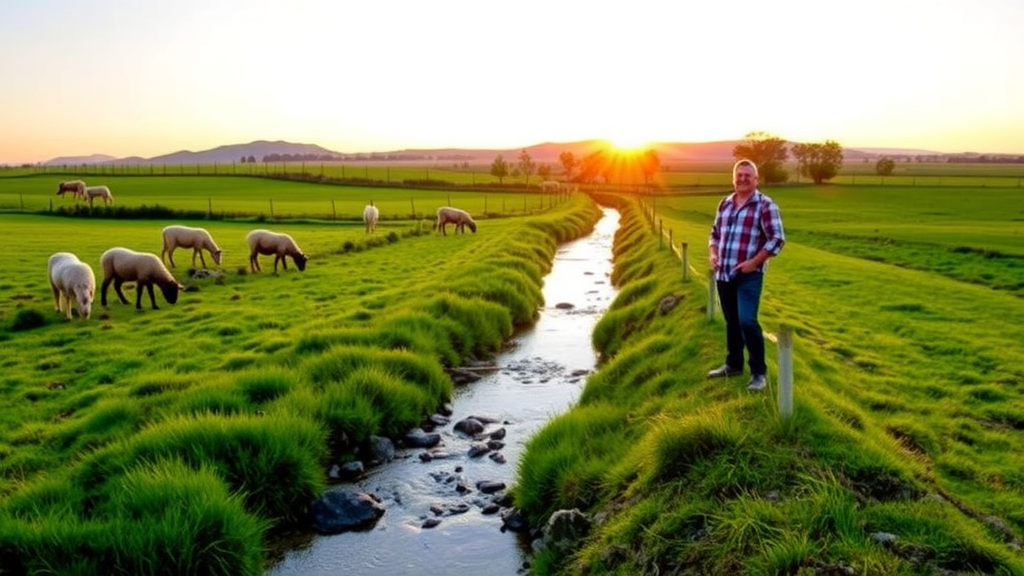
<point>270,208</point>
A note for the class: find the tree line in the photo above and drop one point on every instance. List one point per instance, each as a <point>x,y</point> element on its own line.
<point>817,161</point>
<point>639,167</point>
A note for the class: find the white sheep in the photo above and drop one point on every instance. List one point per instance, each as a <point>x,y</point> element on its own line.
<point>370,216</point>
<point>198,239</point>
<point>72,281</point>
<point>103,192</point>
<point>280,245</point>
<point>76,187</point>
<point>122,265</point>
<point>460,218</point>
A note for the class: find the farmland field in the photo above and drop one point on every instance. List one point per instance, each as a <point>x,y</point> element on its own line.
<point>907,309</point>
<point>907,304</point>
<point>268,198</point>
<point>237,396</point>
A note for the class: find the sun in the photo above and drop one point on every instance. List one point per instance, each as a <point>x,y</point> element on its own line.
<point>629,143</point>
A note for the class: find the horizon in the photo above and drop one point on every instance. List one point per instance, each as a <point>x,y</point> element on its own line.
<point>156,78</point>
<point>105,158</point>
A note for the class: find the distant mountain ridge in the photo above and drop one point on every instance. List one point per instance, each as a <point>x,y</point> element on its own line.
<point>545,152</point>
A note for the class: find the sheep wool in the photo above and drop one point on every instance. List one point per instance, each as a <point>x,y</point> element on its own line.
<point>460,218</point>
<point>101,192</point>
<point>277,244</point>
<point>122,265</point>
<point>370,216</point>
<point>198,239</point>
<point>72,281</point>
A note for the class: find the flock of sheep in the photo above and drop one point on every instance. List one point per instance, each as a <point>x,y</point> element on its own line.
<point>79,190</point>
<point>74,284</point>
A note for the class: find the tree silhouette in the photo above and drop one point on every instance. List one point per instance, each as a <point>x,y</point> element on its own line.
<point>499,169</point>
<point>768,152</point>
<point>569,163</point>
<point>885,166</point>
<point>819,162</point>
<point>526,165</point>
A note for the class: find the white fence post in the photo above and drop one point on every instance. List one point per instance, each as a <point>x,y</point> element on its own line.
<point>785,371</point>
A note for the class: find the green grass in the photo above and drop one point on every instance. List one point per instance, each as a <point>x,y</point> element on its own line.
<point>265,198</point>
<point>246,390</point>
<point>907,377</point>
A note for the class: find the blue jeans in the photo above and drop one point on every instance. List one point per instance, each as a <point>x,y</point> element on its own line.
<point>740,299</point>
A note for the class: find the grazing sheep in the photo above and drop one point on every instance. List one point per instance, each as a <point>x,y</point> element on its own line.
<point>197,239</point>
<point>72,281</point>
<point>448,215</point>
<point>370,217</point>
<point>76,187</point>
<point>280,245</point>
<point>122,265</point>
<point>103,192</point>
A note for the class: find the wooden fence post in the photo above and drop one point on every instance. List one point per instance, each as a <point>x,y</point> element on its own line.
<point>686,262</point>
<point>785,371</point>
<point>661,234</point>
<point>712,294</point>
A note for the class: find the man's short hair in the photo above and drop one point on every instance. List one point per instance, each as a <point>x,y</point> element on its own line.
<point>745,162</point>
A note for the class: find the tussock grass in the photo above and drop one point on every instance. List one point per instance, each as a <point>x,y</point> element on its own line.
<point>902,456</point>
<point>150,525</point>
<point>245,391</point>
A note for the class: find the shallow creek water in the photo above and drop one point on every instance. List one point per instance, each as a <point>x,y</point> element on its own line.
<point>539,376</point>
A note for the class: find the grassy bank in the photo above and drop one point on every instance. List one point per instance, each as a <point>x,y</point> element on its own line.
<point>903,455</point>
<point>174,441</point>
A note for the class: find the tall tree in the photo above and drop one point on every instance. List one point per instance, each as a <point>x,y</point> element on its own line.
<point>569,163</point>
<point>499,169</point>
<point>526,165</point>
<point>592,166</point>
<point>649,164</point>
<point>885,166</point>
<point>544,171</point>
<point>768,152</point>
<point>819,162</point>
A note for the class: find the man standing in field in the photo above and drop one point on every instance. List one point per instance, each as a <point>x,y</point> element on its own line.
<point>746,233</point>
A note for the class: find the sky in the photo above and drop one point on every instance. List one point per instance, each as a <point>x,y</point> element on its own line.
<point>147,78</point>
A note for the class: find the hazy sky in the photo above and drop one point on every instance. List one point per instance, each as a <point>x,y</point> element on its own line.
<point>150,77</point>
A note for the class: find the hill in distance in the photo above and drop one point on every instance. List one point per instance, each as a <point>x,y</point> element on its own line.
<point>545,152</point>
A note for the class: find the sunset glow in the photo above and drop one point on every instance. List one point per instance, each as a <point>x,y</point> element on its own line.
<point>629,143</point>
<point>150,78</point>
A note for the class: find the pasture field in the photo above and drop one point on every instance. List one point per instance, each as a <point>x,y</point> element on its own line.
<point>176,440</point>
<point>907,307</point>
<point>674,175</point>
<point>226,196</point>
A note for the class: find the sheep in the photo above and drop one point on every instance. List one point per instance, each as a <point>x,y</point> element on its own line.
<point>122,265</point>
<point>197,239</point>
<point>280,245</point>
<point>103,192</point>
<point>72,281</point>
<point>448,215</point>
<point>370,216</point>
<point>76,187</point>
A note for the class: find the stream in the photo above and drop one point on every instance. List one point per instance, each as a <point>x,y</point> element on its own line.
<point>538,376</point>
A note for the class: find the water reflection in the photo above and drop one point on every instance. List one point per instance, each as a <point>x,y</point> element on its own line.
<point>539,376</point>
